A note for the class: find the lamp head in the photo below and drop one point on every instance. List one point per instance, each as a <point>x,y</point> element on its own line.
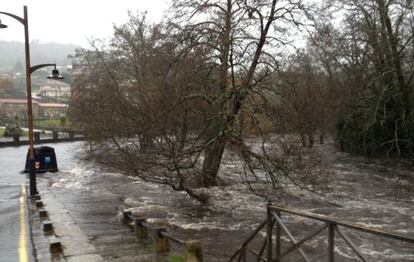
<point>55,75</point>
<point>2,25</point>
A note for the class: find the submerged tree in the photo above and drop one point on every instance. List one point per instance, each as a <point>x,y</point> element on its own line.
<point>245,39</point>
<point>170,98</point>
<point>133,105</point>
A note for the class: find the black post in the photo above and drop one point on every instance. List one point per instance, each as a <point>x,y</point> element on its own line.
<point>37,137</point>
<point>55,135</point>
<point>32,177</point>
<point>16,139</point>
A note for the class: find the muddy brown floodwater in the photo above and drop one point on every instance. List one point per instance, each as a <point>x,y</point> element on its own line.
<point>366,191</point>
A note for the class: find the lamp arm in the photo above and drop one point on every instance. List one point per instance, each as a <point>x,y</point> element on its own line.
<point>18,18</point>
<point>36,67</point>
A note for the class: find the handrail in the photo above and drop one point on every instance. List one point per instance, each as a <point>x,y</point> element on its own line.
<point>344,224</point>
<point>274,218</point>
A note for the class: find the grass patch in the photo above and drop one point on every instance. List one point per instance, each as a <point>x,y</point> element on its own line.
<point>176,258</point>
<point>51,123</point>
<point>3,129</point>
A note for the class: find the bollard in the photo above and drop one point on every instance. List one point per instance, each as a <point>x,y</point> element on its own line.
<point>39,203</point>
<point>193,252</point>
<point>141,232</point>
<point>125,217</point>
<point>16,138</point>
<point>43,213</point>
<point>55,135</point>
<point>47,226</point>
<point>37,137</point>
<point>161,243</point>
<point>54,245</point>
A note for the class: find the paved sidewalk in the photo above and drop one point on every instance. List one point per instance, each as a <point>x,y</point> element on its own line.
<point>88,227</point>
<point>76,245</point>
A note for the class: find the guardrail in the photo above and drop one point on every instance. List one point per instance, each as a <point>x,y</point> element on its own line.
<point>161,239</point>
<point>55,137</point>
<point>274,227</point>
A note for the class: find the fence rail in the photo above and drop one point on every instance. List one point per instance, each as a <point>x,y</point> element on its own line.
<point>54,137</point>
<point>274,226</point>
<point>161,238</point>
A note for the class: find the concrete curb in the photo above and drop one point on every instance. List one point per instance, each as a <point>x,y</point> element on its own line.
<point>64,233</point>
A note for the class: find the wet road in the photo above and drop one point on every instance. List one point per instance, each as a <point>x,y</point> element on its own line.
<point>11,181</point>
<point>12,161</point>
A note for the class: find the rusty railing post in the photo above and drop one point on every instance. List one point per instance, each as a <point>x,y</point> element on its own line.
<point>193,251</point>
<point>331,242</point>
<point>141,232</point>
<point>160,241</point>
<point>278,239</point>
<point>269,232</point>
<point>242,254</point>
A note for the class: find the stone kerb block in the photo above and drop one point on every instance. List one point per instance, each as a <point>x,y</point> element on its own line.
<point>43,213</point>
<point>193,251</point>
<point>47,226</point>
<point>55,246</point>
<point>39,204</point>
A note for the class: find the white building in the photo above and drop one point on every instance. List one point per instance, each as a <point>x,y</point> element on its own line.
<point>55,89</point>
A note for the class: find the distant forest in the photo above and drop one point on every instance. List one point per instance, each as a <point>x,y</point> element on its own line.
<point>13,52</point>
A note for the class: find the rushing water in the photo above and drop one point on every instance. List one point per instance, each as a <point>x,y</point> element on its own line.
<point>366,191</point>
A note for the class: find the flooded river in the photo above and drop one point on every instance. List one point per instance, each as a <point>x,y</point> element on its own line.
<point>364,191</point>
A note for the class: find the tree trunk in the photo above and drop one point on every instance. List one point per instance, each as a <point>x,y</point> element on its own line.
<point>212,162</point>
<point>214,152</point>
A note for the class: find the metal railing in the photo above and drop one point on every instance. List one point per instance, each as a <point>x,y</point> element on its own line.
<point>274,227</point>
<point>54,137</point>
<point>161,238</point>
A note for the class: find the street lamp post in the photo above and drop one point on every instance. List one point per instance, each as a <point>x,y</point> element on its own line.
<point>29,70</point>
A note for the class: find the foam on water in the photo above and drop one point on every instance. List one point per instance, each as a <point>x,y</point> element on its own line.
<point>362,193</point>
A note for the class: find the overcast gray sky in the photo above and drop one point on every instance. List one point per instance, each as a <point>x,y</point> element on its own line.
<point>73,21</point>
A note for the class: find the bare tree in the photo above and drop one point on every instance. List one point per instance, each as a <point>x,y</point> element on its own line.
<point>135,103</point>
<point>305,102</point>
<point>373,55</point>
<point>170,98</point>
<point>244,38</point>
